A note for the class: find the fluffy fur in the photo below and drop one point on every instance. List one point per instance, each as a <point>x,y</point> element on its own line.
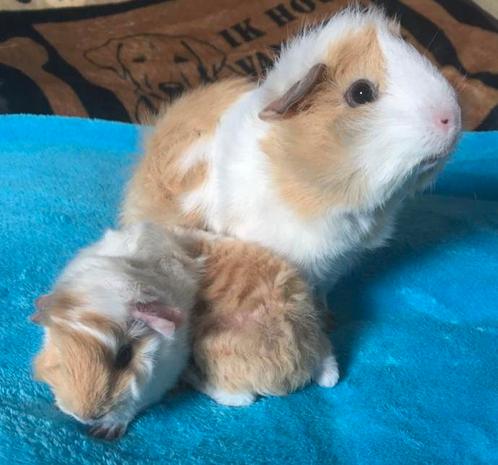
<point>322,182</point>
<point>109,298</point>
<point>255,330</point>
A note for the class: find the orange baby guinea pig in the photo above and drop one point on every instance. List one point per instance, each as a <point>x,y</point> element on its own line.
<point>255,330</point>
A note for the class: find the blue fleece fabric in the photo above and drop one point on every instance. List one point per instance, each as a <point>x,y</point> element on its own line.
<point>416,325</point>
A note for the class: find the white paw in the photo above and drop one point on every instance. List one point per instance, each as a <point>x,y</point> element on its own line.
<point>327,373</point>
<point>241,399</point>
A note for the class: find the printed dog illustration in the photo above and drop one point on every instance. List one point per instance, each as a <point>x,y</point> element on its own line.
<point>159,66</point>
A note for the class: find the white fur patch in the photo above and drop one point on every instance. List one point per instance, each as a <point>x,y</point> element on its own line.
<point>107,340</point>
<point>196,153</point>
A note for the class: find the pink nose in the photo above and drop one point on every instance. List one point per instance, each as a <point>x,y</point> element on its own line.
<point>444,121</point>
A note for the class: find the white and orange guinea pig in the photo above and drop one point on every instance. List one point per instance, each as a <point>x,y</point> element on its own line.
<point>313,161</point>
<point>128,311</point>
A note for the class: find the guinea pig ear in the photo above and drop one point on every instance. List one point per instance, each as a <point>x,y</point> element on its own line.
<point>42,304</point>
<point>287,105</point>
<point>162,318</point>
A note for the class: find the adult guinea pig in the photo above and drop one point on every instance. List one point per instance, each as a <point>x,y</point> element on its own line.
<point>314,161</point>
<point>116,327</point>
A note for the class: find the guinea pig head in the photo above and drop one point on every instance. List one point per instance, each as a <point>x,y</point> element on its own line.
<point>103,372</point>
<point>356,114</point>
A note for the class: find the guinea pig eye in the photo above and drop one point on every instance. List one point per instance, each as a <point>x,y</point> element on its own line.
<point>360,92</point>
<point>124,356</point>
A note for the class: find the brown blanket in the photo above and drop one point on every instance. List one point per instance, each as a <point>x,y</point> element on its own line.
<point>123,60</point>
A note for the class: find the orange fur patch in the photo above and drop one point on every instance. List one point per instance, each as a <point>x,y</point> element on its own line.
<point>81,382</point>
<point>256,329</point>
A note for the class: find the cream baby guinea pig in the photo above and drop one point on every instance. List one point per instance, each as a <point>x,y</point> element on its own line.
<point>116,327</point>
<point>315,160</point>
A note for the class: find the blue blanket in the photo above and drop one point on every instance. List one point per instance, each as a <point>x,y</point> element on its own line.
<point>416,333</point>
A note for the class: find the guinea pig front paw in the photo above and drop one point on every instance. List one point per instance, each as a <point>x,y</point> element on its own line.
<point>108,431</point>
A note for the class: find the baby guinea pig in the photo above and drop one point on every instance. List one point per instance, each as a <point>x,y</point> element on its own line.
<point>255,330</point>
<point>116,327</point>
<point>313,161</point>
